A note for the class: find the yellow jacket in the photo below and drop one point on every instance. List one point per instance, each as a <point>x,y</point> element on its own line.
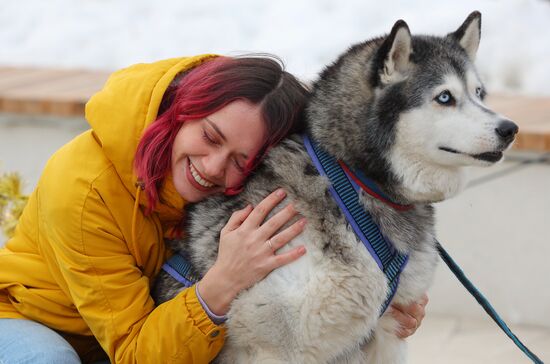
<point>73,263</point>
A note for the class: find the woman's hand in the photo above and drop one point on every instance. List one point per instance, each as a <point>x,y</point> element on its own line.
<point>247,251</point>
<point>409,317</point>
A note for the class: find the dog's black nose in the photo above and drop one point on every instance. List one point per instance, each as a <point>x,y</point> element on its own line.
<point>507,130</point>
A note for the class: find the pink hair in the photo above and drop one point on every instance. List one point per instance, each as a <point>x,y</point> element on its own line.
<point>206,89</point>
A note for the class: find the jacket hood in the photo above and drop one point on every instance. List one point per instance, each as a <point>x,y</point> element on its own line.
<point>127,104</point>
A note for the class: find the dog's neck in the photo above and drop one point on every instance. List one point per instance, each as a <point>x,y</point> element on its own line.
<point>422,182</point>
<point>372,188</point>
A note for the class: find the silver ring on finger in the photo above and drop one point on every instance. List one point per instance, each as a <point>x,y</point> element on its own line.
<point>268,242</point>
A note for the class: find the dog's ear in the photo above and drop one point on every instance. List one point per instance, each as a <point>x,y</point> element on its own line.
<point>469,33</point>
<point>393,56</point>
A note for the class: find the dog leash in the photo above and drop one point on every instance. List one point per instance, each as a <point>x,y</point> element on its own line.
<point>484,302</point>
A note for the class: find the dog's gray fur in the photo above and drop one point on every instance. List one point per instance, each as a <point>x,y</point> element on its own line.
<point>375,109</point>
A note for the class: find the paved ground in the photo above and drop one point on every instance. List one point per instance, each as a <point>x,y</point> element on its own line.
<point>447,340</point>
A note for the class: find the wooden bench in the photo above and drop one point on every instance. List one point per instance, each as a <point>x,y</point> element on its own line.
<point>65,92</point>
<point>532,114</point>
<point>47,91</point>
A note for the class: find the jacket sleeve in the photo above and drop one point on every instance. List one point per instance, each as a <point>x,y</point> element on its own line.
<point>112,295</point>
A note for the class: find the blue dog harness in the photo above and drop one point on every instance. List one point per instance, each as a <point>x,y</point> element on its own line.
<point>181,270</point>
<point>345,187</point>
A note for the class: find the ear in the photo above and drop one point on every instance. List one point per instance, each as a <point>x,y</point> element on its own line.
<point>394,54</point>
<point>469,33</point>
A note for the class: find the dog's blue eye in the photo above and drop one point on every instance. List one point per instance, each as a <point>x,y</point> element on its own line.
<point>445,98</point>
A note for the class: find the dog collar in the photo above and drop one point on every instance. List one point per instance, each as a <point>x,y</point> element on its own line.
<point>359,180</point>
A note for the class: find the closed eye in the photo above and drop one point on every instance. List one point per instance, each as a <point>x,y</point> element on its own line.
<point>213,141</point>
<point>209,139</point>
<point>239,167</point>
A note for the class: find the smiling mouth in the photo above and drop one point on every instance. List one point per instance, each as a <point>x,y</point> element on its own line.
<point>204,183</point>
<point>487,156</point>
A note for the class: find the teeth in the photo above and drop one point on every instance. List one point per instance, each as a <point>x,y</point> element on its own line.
<point>198,178</point>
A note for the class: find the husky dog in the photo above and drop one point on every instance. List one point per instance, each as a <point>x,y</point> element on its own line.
<point>407,111</point>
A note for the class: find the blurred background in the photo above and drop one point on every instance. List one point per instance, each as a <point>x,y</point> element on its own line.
<point>307,34</point>
<point>498,229</point>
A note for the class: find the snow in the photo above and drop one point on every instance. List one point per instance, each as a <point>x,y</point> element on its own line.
<point>107,34</point>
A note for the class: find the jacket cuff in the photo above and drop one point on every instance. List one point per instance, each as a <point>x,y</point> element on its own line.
<point>199,316</point>
<point>217,319</point>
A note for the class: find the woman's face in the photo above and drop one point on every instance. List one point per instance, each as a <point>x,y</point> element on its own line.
<point>209,154</point>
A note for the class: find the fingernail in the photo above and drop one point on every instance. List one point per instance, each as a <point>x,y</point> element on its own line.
<point>302,250</point>
<point>281,192</point>
<point>302,222</point>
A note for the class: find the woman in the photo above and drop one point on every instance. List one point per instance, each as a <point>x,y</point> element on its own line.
<point>80,264</point>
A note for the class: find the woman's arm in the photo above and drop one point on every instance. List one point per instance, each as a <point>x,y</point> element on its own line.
<point>99,274</point>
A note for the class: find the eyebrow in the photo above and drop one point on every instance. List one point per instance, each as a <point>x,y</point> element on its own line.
<point>222,135</point>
